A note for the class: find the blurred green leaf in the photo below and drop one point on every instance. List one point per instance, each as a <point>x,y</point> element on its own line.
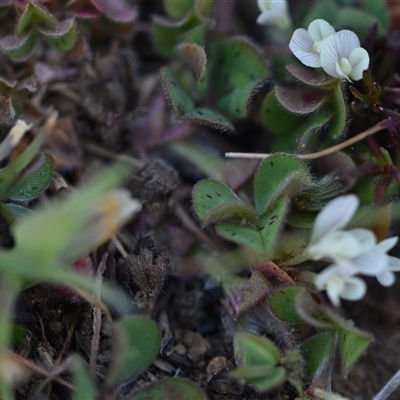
<point>12,211</point>
<point>352,343</point>
<point>282,304</point>
<point>278,175</point>
<point>33,14</point>
<point>136,344</point>
<point>271,223</point>
<point>19,47</point>
<point>168,35</point>
<point>62,36</point>
<point>170,389</point>
<point>238,212</point>
<point>178,9</point>
<point>318,350</point>
<point>361,21</point>
<point>10,173</point>
<point>260,359</point>
<point>235,71</point>
<point>208,194</point>
<point>255,351</point>
<point>244,234</point>
<point>33,181</point>
<point>85,389</point>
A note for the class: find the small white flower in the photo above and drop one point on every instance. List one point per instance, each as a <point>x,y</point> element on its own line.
<point>307,45</point>
<point>339,283</point>
<point>342,56</point>
<point>274,12</point>
<point>352,252</point>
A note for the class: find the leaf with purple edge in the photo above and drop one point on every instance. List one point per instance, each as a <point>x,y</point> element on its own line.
<point>19,48</point>
<point>34,14</point>
<point>61,37</point>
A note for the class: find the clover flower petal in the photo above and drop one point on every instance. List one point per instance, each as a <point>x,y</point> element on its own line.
<point>307,45</point>
<point>335,215</point>
<point>339,283</point>
<point>342,245</point>
<point>273,12</point>
<point>342,56</point>
<point>351,252</point>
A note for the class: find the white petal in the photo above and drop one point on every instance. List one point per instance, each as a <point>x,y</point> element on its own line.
<point>346,41</point>
<point>366,239</point>
<point>372,263</point>
<point>277,15</point>
<point>394,264</point>
<point>301,46</point>
<point>335,215</point>
<point>386,278</point>
<point>359,60</point>
<point>324,276</point>
<point>264,5</point>
<point>319,29</point>
<point>341,246</point>
<point>333,290</point>
<point>387,244</point>
<point>330,56</point>
<point>354,289</point>
<point>337,46</point>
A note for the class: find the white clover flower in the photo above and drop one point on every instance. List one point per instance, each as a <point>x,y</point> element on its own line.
<point>339,283</point>
<point>352,252</point>
<point>307,45</point>
<point>342,56</point>
<point>274,12</point>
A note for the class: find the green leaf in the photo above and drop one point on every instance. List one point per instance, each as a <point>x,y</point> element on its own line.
<point>338,123</point>
<point>326,10</point>
<point>33,14</point>
<point>235,71</point>
<point>360,21</point>
<point>266,380</point>
<point>61,37</point>
<point>11,172</point>
<point>230,212</point>
<point>318,351</point>
<point>259,358</point>
<point>255,351</point>
<point>19,47</point>
<point>290,127</point>
<point>85,389</point>
<point>208,194</point>
<point>279,174</point>
<point>247,235</point>
<point>178,9</point>
<point>282,304</point>
<point>136,344</point>
<point>33,181</point>
<point>170,389</point>
<point>184,108</point>
<point>209,117</point>
<point>352,343</point>
<point>380,11</point>
<point>271,223</point>
<point>180,102</point>
<point>12,211</point>
<point>168,35</point>
<point>63,231</point>
<point>302,102</point>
